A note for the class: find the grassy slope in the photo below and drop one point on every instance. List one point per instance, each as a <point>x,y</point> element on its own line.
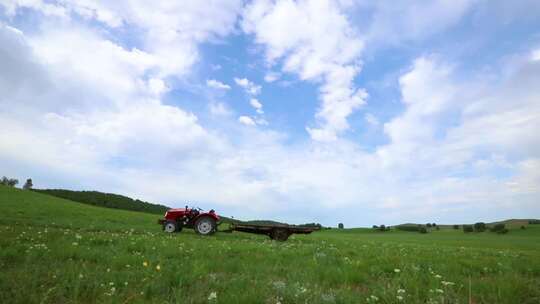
<point>56,251</point>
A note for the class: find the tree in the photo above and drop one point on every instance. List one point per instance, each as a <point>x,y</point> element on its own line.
<point>340,226</point>
<point>11,182</point>
<point>433,225</point>
<point>498,227</point>
<point>375,227</point>
<point>28,185</point>
<point>456,227</point>
<point>428,225</point>
<point>467,228</point>
<point>480,227</point>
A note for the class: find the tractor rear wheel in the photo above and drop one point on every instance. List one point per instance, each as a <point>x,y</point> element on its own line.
<point>170,227</point>
<point>205,225</point>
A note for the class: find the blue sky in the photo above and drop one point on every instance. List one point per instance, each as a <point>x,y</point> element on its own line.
<point>302,111</point>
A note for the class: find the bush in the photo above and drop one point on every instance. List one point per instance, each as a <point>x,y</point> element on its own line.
<point>497,227</point>
<point>456,227</point>
<point>480,227</point>
<point>522,227</point>
<point>468,228</point>
<point>428,225</point>
<point>503,231</point>
<point>381,228</point>
<point>422,230</point>
<point>437,227</point>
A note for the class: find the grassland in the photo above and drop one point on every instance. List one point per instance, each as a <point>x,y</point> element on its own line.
<point>57,251</point>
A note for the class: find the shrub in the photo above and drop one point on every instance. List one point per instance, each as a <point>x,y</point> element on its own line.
<point>468,228</point>
<point>456,227</point>
<point>437,227</point>
<point>422,230</point>
<point>497,227</point>
<point>522,227</point>
<point>503,231</point>
<point>428,225</point>
<point>480,227</point>
<point>375,227</point>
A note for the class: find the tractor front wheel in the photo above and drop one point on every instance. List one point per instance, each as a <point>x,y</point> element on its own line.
<point>170,227</point>
<point>205,225</point>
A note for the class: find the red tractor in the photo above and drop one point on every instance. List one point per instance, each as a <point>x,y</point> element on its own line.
<point>204,223</point>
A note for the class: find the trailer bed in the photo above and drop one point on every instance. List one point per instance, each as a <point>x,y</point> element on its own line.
<point>275,232</point>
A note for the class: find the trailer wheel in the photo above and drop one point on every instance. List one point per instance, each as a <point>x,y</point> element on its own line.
<point>205,225</point>
<point>279,234</point>
<point>170,227</point>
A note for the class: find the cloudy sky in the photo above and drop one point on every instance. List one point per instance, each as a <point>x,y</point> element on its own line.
<point>361,112</point>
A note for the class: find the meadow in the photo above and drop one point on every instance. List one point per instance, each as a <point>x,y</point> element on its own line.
<point>57,251</point>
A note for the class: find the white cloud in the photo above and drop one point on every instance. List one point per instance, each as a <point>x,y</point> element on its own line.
<point>246,120</point>
<point>212,83</point>
<point>394,23</point>
<point>219,109</point>
<point>250,87</point>
<point>320,47</point>
<point>257,105</point>
<point>535,55</point>
<point>169,31</point>
<point>157,86</point>
<point>371,119</point>
<point>271,76</point>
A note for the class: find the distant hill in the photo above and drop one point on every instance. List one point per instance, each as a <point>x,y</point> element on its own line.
<point>509,222</point>
<point>108,200</point>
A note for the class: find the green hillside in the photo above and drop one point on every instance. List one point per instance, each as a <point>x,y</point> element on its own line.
<point>57,251</point>
<point>108,200</point>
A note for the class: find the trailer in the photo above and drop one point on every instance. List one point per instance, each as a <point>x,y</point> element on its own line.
<point>275,232</point>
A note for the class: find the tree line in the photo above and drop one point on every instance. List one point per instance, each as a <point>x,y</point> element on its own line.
<point>12,182</point>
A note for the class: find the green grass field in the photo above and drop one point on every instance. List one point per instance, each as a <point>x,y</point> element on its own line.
<point>58,251</point>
